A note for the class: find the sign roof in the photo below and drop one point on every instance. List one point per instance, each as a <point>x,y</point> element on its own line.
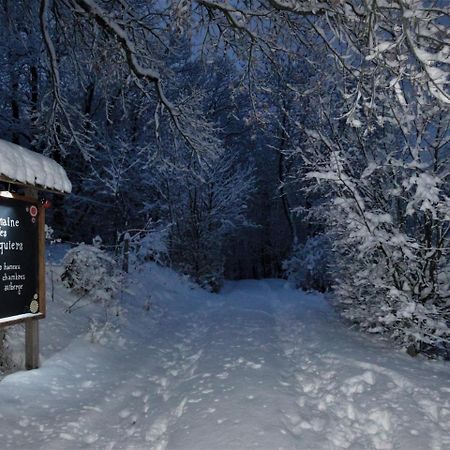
<point>20,165</point>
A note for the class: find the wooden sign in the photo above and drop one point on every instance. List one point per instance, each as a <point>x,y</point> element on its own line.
<point>22,276</point>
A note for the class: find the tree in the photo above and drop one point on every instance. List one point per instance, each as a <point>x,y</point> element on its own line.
<point>387,185</point>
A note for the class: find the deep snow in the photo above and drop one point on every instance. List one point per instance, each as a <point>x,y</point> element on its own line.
<point>20,164</point>
<point>258,366</point>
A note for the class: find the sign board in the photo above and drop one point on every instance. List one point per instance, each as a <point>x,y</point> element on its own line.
<point>22,290</point>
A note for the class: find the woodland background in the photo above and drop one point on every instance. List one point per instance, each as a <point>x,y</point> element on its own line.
<point>249,139</point>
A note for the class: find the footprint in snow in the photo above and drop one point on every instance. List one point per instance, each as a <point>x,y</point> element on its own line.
<point>157,430</point>
<point>124,413</point>
<point>253,365</point>
<point>223,375</point>
<point>90,439</point>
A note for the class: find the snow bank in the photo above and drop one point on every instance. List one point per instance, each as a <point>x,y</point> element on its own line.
<point>24,166</point>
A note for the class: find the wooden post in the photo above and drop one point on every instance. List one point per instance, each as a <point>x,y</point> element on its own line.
<point>31,344</point>
<point>126,252</point>
<point>32,326</point>
<point>2,338</point>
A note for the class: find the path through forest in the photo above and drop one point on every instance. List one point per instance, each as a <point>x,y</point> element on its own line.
<point>258,366</point>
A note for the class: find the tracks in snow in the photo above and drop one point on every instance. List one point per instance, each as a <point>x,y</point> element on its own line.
<point>258,366</point>
<point>345,397</point>
<point>179,365</point>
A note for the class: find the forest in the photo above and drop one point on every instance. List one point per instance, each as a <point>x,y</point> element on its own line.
<point>305,140</point>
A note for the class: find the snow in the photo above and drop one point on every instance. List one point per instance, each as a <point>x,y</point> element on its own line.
<point>259,365</point>
<point>24,166</point>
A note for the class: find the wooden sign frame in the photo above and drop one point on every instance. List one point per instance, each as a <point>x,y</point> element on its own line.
<point>40,314</point>
<point>29,182</point>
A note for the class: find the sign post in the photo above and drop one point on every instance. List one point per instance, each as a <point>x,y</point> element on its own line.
<point>31,344</point>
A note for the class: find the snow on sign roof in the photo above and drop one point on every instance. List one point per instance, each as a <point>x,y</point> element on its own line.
<point>26,167</point>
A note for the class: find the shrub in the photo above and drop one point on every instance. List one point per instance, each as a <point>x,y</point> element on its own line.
<point>309,265</point>
<point>88,270</point>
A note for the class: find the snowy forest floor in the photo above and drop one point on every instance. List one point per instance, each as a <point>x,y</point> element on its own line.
<point>258,366</point>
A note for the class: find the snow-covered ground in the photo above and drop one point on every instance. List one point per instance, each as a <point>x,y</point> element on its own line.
<point>258,366</point>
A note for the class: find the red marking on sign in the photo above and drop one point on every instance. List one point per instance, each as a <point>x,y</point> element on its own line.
<point>33,211</point>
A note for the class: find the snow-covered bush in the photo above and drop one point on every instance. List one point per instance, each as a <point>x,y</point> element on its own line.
<point>204,263</point>
<point>90,271</point>
<point>392,243</point>
<point>150,246</point>
<point>309,265</point>
<point>381,173</point>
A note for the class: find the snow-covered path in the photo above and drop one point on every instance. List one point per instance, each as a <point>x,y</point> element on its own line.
<point>258,366</point>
